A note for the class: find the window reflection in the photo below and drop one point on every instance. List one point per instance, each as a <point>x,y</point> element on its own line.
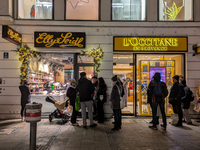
<point>35,9</point>
<point>128,9</point>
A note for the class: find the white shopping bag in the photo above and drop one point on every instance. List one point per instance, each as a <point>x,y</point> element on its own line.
<point>174,119</point>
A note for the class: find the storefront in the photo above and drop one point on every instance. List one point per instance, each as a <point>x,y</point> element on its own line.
<point>135,61</point>
<point>51,74</point>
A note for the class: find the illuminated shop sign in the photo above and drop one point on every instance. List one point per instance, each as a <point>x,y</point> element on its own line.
<point>11,35</point>
<point>60,39</point>
<point>138,44</point>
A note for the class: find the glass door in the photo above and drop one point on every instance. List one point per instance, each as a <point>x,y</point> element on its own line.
<point>123,67</point>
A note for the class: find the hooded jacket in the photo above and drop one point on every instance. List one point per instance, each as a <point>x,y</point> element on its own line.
<point>85,89</point>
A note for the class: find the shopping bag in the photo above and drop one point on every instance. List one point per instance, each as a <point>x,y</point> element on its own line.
<point>77,104</point>
<point>121,104</point>
<point>174,119</point>
<point>60,105</point>
<point>68,110</point>
<point>197,107</point>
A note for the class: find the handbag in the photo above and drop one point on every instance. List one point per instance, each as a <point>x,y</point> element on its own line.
<point>174,118</point>
<point>122,105</point>
<point>77,103</point>
<point>197,107</point>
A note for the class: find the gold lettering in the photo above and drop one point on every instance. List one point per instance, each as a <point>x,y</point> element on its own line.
<point>125,42</point>
<point>132,41</point>
<point>174,42</point>
<point>15,36</point>
<point>168,42</point>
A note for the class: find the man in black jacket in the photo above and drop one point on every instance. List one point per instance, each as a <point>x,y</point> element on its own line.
<point>86,89</point>
<point>176,93</point>
<point>157,91</point>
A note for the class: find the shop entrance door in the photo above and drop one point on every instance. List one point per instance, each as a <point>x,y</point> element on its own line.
<point>124,68</point>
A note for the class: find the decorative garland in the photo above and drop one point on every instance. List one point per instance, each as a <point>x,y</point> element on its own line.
<point>97,55</point>
<point>25,53</point>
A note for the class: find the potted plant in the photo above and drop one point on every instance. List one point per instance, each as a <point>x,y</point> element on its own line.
<point>172,12</point>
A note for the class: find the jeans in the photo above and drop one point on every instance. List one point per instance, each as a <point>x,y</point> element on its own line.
<point>87,104</point>
<point>162,109</point>
<point>186,115</point>
<point>177,110</point>
<point>117,118</point>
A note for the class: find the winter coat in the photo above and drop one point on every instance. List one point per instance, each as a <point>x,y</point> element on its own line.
<point>71,93</point>
<point>85,89</point>
<point>115,97</point>
<point>25,95</point>
<point>102,88</point>
<point>185,101</point>
<point>176,93</point>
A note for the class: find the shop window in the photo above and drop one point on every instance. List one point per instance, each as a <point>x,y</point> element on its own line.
<point>128,9</point>
<point>35,9</point>
<point>82,9</point>
<point>147,65</point>
<point>175,10</point>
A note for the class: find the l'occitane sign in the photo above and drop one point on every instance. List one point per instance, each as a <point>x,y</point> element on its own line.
<point>175,44</point>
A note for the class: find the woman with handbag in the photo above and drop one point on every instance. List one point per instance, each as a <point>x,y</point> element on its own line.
<point>101,98</point>
<point>72,93</point>
<point>115,102</point>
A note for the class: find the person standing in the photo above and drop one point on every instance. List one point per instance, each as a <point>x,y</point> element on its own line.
<point>181,78</point>
<point>176,93</point>
<point>86,89</point>
<point>198,93</point>
<point>95,84</point>
<point>25,97</point>
<point>125,83</point>
<point>185,100</point>
<point>72,93</point>
<point>158,92</point>
<point>101,99</point>
<point>115,102</point>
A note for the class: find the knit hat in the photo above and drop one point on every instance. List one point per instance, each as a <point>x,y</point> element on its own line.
<point>176,77</point>
<point>72,81</point>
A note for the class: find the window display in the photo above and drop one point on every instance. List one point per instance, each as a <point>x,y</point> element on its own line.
<point>129,10</point>
<point>175,10</point>
<point>35,9</point>
<point>82,10</point>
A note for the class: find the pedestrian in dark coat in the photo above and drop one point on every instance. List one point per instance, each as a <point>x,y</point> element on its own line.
<point>25,97</point>
<point>101,93</point>
<point>185,102</point>
<point>115,102</point>
<point>72,93</point>
<point>176,93</point>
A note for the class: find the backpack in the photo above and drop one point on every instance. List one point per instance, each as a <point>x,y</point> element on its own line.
<point>157,89</point>
<point>191,95</point>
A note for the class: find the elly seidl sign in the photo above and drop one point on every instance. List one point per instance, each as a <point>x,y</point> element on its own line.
<point>11,35</point>
<point>59,39</point>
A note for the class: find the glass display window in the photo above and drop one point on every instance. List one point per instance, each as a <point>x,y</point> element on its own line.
<point>175,10</point>
<point>147,65</point>
<point>82,9</point>
<point>129,10</point>
<point>35,9</point>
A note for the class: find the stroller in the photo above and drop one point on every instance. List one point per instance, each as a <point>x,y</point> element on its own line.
<point>60,112</point>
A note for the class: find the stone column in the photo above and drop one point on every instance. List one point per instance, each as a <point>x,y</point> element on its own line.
<point>152,10</point>
<point>59,9</point>
<point>196,10</point>
<point>105,10</point>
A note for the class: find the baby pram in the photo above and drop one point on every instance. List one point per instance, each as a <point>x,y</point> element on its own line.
<point>64,110</point>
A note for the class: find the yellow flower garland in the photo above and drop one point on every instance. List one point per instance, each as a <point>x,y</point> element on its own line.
<point>25,53</point>
<point>97,55</point>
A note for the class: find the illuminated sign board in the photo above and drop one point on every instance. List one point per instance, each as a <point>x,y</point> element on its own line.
<point>153,44</point>
<point>11,35</point>
<point>59,39</point>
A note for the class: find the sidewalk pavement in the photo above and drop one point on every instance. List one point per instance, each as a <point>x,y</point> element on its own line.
<point>134,135</point>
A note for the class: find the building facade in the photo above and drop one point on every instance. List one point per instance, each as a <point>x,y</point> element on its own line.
<point>138,38</point>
